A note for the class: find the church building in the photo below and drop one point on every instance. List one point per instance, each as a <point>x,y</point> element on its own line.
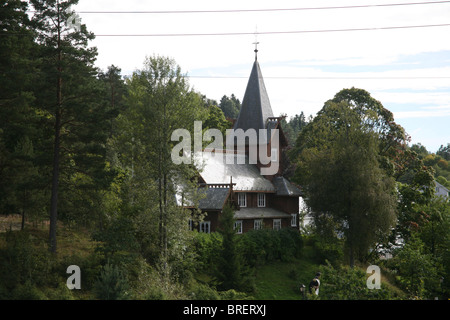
<point>228,176</point>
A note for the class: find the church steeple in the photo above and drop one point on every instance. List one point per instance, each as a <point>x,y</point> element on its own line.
<point>255,109</point>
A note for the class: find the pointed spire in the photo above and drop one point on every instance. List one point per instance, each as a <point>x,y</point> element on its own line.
<point>255,109</point>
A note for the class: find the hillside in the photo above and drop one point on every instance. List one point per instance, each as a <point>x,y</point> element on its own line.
<point>30,272</point>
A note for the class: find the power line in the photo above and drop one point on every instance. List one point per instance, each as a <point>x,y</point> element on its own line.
<point>260,10</point>
<point>269,32</point>
<point>253,33</point>
<point>321,78</point>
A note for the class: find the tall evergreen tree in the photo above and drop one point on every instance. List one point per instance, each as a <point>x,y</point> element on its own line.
<point>20,133</point>
<point>68,94</point>
<point>231,270</point>
<point>230,106</point>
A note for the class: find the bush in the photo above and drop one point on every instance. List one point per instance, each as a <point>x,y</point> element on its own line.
<point>112,284</point>
<point>265,245</point>
<point>207,248</point>
<point>204,292</point>
<point>345,283</point>
<point>28,291</point>
<point>22,261</point>
<point>327,249</point>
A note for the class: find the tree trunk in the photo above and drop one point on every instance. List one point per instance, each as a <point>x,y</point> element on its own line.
<point>23,220</point>
<point>57,147</point>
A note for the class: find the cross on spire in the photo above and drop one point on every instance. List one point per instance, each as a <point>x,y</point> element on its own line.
<point>256,49</point>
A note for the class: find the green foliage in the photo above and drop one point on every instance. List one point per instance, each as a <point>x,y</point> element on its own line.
<point>112,284</point>
<point>266,245</point>
<point>216,120</point>
<point>159,101</point>
<point>118,236</point>
<point>207,247</point>
<point>292,127</point>
<point>343,178</point>
<point>417,272</point>
<point>345,283</point>
<point>230,106</point>
<point>231,270</point>
<point>22,262</point>
<point>202,291</point>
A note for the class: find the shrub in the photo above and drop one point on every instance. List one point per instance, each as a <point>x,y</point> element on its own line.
<point>28,291</point>
<point>345,283</point>
<point>112,284</point>
<point>204,292</point>
<point>207,247</point>
<point>265,245</point>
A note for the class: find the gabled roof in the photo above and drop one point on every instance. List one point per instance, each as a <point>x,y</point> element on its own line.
<point>255,109</point>
<point>214,198</point>
<point>216,168</point>
<point>285,188</point>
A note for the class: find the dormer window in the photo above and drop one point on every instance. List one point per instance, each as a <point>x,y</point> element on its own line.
<point>242,199</point>
<point>261,200</point>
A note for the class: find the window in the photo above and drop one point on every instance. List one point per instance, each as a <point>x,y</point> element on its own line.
<point>293,220</point>
<point>190,224</point>
<point>276,224</point>
<point>238,226</point>
<point>205,226</point>
<point>261,199</point>
<point>257,224</point>
<point>242,199</point>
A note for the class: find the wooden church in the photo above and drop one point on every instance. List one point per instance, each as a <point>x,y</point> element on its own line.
<point>260,200</point>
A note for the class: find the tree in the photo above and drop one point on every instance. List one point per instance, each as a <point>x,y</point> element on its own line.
<point>67,93</point>
<point>294,126</point>
<point>414,178</point>
<point>159,100</point>
<point>343,178</point>
<point>216,120</point>
<point>20,129</point>
<point>115,92</point>
<point>231,270</point>
<point>230,106</point>
<point>444,152</point>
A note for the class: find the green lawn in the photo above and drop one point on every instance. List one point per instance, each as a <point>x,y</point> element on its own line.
<point>281,280</point>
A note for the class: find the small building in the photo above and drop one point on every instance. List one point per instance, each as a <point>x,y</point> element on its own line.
<point>229,176</point>
<point>440,190</point>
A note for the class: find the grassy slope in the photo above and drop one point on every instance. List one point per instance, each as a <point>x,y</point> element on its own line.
<point>274,281</point>
<point>282,280</point>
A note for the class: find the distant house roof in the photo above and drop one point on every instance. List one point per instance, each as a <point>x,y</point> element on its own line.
<point>285,188</point>
<point>220,168</point>
<point>214,198</point>
<point>259,213</point>
<point>441,190</point>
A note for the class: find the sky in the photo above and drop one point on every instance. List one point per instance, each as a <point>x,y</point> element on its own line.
<point>304,55</point>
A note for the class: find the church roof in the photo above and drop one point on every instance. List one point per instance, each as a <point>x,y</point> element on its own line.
<point>219,168</point>
<point>255,109</point>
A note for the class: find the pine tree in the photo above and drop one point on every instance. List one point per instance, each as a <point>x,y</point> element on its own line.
<point>20,132</point>
<point>232,272</point>
<point>69,94</point>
